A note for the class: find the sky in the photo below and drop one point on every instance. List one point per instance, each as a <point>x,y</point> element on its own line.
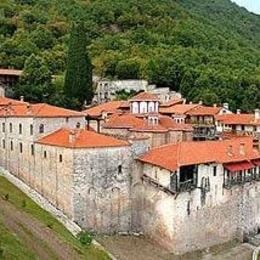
<point>251,5</point>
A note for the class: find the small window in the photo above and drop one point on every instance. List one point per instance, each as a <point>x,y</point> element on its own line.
<point>32,149</point>
<point>31,129</point>
<point>20,129</point>
<point>215,171</point>
<point>120,169</point>
<point>78,125</point>
<point>3,142</point>
<point>3,127</point>
<point>45,154</point>
<point>10,127</point>
<point>60,158</point>
<point>12,146</point>
<point>21,147</point>
<point>41,128</point>
<point>67,119</point>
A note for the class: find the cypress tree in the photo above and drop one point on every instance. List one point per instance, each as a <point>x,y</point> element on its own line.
<point>78,78</point>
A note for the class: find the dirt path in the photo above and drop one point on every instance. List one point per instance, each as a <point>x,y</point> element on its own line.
<point>35,235</point>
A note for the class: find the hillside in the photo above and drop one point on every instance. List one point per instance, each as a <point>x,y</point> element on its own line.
<point>207,49</point>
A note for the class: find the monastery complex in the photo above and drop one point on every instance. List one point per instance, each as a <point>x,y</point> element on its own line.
<point>184,174</point>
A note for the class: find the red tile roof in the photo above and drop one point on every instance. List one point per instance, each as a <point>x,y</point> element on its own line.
<point>4,101</point>
<point>11,72</point>
<point>37,110</point>
<point>204,111</point>
<point>145,96</point>
<point>80,138</point>
<point>172,156</point>
<point>138,123</point>
<point>179,109</point>
<point>108,107</point>
<point>172,102</point>
<point>238,119</point>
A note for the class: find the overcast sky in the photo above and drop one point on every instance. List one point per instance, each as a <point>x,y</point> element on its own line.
<point>251,5</point>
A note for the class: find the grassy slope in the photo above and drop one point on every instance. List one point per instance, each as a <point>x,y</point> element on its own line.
<point>11,247</point>
<point>22,202</point>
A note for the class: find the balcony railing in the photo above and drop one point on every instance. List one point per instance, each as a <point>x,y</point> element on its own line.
<point>187,186</point>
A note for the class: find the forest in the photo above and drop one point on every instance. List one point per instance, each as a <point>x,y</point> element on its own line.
<point>207,49</point>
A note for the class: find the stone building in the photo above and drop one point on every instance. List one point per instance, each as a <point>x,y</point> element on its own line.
<point>8,78</point>
<point>194,195</point>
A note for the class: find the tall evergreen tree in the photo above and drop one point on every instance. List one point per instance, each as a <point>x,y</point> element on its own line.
<point>78,78</point>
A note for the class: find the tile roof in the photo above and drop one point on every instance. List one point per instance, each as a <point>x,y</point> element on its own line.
<point>11,72</point>
<point>204,111</point>
<point>37,110</point>
<point>145,96</point>
<point>238,119</point>
<point>172,102</point>
<point>4,101</point>
<point>108,107</point>
<point>179,109</point>
<point>80,138</point>
<point>172,156</point>
<point>140,123</point>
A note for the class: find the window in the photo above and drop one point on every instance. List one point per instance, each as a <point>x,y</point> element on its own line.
<point>78,125</point>
<point>3,143</point>
<point>20,129</point>
<point>10,127</point>
<point>215,171</point>
<point>3,127</point>
<point>21,147</point>
<point>41,128</point>
<point>31,129</point>
<point>12,146</point>
<point>45,154</point>
<point>32,149</point>
<point>120,169</point>
<point>60,159</point>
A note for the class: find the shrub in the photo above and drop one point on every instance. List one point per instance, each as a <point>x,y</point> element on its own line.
<point>85,238</point>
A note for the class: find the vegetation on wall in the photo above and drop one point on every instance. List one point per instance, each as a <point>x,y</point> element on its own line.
<point>207,49</point>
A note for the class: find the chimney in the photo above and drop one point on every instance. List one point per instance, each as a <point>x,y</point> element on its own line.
<point>230,151</point>
<point>214,105</point>
<point>238,111</point>
<point>22,98</point>
<point>257,114</point>
<point>242,149</point>
<point>226,106</point>
<point>200,102</point>
<point>72,137</point>
<point>191,103</point>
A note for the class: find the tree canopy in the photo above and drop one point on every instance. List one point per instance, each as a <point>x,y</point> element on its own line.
<point>203,48</point>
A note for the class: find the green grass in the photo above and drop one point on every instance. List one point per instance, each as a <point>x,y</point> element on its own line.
<point>25,204</point>
<point>11,247</point>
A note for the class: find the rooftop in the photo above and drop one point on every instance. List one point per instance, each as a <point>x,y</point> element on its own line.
<point>178,109</point>
<point>4,101</point>
<point>204,111</point>
<point>11,72</point>
<point>172,156</point>
<point>238,119</point>
<point>36,110</point>
<point>108,107</point>
<point>145,96</point>
<point>80,138</point>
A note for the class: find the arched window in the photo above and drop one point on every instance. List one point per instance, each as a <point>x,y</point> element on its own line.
<point>41,128</point>
<point>60,158</point>
<point>45,154</point>
<point>20,129</point>
<point>10,127</point>
<point>120,169</point>
<point>12,146</point>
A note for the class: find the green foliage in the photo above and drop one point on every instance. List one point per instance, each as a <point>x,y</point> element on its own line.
<point>206,49</point>
<point>35,84</point>
<point>85,238</point>
<point>78,78</point>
